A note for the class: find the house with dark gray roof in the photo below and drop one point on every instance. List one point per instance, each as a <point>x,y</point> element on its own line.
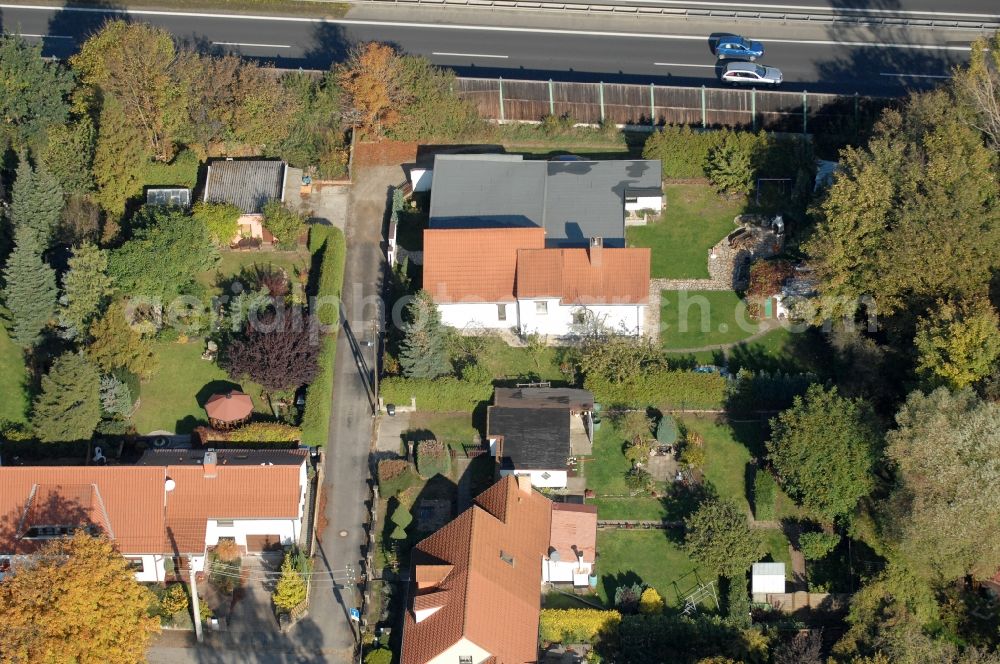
<point>535,431</point>
<point>573,201</point>
<point>249,184</point>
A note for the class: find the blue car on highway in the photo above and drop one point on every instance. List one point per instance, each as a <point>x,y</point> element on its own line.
<point>734,46</point>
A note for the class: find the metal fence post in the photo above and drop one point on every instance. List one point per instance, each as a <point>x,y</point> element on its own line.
<point>805,111</point>
<point>501,100</point>
<point>704,119</point>
<point>600,90</point>
<point>753,109</point>
<point>652,104</point>
<point>552,103</point>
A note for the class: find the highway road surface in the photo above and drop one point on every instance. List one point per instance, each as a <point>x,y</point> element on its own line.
<point>539,46</point>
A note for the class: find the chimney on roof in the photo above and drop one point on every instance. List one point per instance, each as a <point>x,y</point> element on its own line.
<point>210,463</point>
<point>524,483</point>
<point>596,248</point>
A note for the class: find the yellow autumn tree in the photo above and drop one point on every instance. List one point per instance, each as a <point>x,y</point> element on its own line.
<point>291,588</point>
<point>650,602</point>
<point>372,81</point>
<point>77,601</point>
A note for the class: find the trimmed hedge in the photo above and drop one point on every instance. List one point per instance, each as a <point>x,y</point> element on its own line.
<point>394,476</point>
<point>443,395</point>
<point>257,432</point>
<point>666,389</point>
<point>329,244</point>
<point>682,150</point>
<point>765,490</point>
<point>578,625</point>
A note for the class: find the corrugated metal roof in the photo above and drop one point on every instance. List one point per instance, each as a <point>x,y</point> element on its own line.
<point>246,183</point>
<point>571,200</point>
<point>769,569</point>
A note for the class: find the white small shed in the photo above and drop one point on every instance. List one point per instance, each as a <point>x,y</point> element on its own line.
<point>767,579</point>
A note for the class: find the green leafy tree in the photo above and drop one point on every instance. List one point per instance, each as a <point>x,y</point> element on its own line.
<point>264,109</point>
<point>378,656</point>
<point>628,598</point>
<point>86,287</point>
<point>116,345</point>
<point>945,449</point>
<point>36,203</point>
<point>163,256</point>
<point>135,64</point>
<point>977,86</point>
<point>33,97</point>
<point>69,155</point>
<point>912,217</point>
<point>434,109</point>
<point>423,352</point>
<point>824,449</point>
<point>30,291</point>
<point>290,590</point>
<point>718,537</point>
<point>120,158</point>
<point>277,351</point>
<point>69,405</point>
<point>616,357</point>
<point>958,343</point>
<point>284,223</point>
<point>816,546</point>
<point>315,136</point>
<point>221,220</point>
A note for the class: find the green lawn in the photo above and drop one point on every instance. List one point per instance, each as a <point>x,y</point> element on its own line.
<point>172,400</point>
<point>605,473</point>
<point>507,362</point>
<point>694,319</point>
<point>648,557</point>
<point>777,549</point>
<point>454,429</point>
<point>725,459</point>
<point>13,397</point>
<point>233,262</point>
<point>694,220</point>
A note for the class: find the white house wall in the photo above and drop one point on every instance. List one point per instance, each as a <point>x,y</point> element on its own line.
<point>645,203</point>
<point>478,315</point>
<point>153,569</point>
<point>556,478</point>
<point>462,648</point>
<point>286,529</point>
<point>562,571</point>
<point>558,319</point>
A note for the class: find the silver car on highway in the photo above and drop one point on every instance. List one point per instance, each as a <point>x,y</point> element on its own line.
<point>750,73</point>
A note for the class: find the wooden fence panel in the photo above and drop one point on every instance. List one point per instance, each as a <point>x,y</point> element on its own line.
<point>643,105</point>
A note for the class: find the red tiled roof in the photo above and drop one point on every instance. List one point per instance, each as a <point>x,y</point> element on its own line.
<point>475,265</point>
<point>236,492</point>
<point>619,276</point>
<point>128,505</point>
<point>131,505</point>
<point>574,531</point>
<point>491,602</point>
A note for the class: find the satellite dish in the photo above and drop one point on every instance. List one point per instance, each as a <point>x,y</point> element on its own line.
<point>160,442</point>
<point>554,556</point>
<point>169,485</point>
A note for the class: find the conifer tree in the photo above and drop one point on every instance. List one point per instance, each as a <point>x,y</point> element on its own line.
<point>424,350</point>
<point>36,203</point>
<point>30,291</point>
<point>69,406</point>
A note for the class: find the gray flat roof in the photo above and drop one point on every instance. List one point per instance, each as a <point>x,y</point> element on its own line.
<point>246,183</point>
<point>543,397</point>
<point>571,200</point>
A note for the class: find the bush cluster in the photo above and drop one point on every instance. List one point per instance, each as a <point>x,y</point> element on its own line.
<point>328,243</point>
<point>666,389</point>
<point>394,476</point>
<point>764,493</point>
<point>762,390</point>
<point>433,458</point>
<point>577,625</point>
<point>446,394</point>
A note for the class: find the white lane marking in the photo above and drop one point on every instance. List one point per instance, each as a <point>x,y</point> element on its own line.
<point>818,9</point>
<point>257,45</point>
<point>681,64</point>
<point>21,34</point>
<point>914,75</point>
<point>470,55</point>
<point>480,28</point>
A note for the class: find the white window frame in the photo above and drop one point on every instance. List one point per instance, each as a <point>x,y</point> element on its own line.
<point>541,308</point>
<point>501,311</point>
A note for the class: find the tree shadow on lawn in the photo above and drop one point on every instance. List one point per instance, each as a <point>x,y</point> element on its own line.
<point>680,501</point>
<point>612,582</point>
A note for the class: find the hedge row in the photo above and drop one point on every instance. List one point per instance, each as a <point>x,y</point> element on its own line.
<point>577,625</point>
<point>445,395</point>
<point>765,490</point>
<point>666,389</point>
<point>329,245</point>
